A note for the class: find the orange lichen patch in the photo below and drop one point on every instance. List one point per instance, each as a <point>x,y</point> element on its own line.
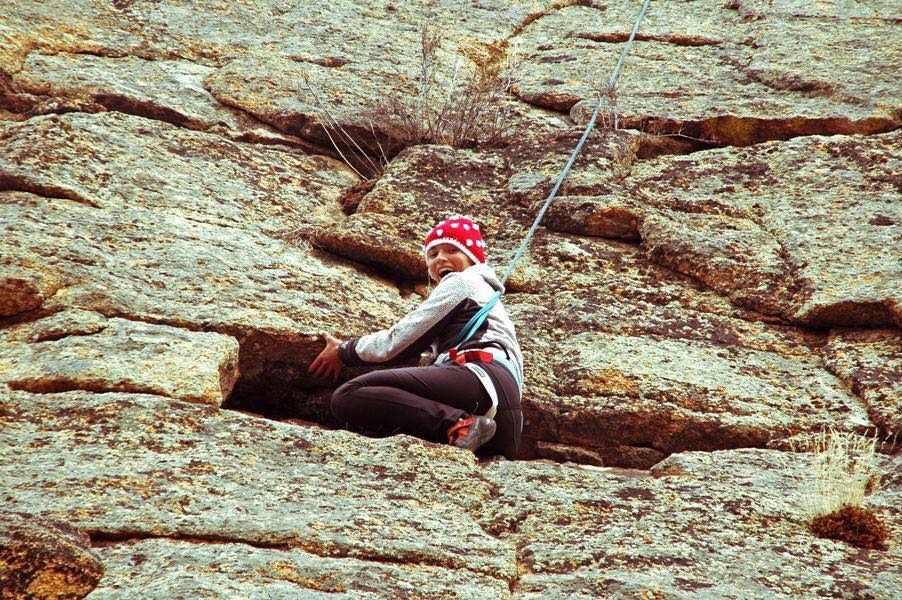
<point>610,382</point>
<point>858,526</point>
<point>287,571</point>
<point>58,584</point>
<point>490,59</point>
<point>560,4</point>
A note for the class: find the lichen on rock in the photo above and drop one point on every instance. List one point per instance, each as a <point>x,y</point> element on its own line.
<point>717,279</point>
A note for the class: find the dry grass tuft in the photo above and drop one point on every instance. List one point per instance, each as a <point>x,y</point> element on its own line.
<point>466,105</point>
<point>845,470</point>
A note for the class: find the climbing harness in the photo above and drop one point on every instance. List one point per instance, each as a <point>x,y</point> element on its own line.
<point>477,320</point>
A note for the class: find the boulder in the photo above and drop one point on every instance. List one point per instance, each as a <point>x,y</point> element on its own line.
<point>719,524</point>
<point>45,559</point>
<point>768,221</point>
<point>82,350</point>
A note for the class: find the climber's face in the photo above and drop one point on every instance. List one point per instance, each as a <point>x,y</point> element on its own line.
<point>446,258</point>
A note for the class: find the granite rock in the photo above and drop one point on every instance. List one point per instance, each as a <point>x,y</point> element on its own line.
<point>720,275</point>
<point>717,74</point>
<point>80,350</point>
<point>870,362</point>
<point>768,220</point>
<point>43,559</point>
<point>727,524</point>
<point>166,90</point>
<point>163,567</point>
<point>150,467</point>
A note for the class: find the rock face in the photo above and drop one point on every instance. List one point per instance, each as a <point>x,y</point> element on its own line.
<point>82,350</point>
<point>722,525</point>
<point>771,221</point>
<point>156,468</point>
<point>40,558</point>
<point>181,216</point>
<point>183,498</point>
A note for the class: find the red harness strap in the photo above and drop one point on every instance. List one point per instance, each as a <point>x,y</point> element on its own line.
<point>466,356</point>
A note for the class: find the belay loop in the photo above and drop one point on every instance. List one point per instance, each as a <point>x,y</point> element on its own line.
<point>479,318</point>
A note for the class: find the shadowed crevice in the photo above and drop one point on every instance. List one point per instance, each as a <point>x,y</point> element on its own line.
<point>11,182</point>
<point>734,130</point>
<point>672,136</point>
<point>55,384</point>
<point>619,37</point>
<point>100,538</point>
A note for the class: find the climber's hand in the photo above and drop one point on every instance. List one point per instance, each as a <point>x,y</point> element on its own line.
<point>327,364</point>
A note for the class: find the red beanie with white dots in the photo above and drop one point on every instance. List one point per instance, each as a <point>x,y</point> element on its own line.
<point>461,232</point>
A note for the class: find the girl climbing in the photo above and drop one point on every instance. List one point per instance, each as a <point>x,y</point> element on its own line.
<point>470,395</point>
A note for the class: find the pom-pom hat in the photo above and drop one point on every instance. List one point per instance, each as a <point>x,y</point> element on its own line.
<point>461,232</point>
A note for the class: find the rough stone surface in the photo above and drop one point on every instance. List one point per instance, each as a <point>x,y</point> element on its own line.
<point>675,395</point>
<point>44,559</point>
<point>152,467</point>
<point>422,186</point>
<point>82,350</point>
<point>112,160</point>
<point>617,361</point>
<point>166,90</point>
<point>721,75</point>
<point>165,568</point>
<point>166,225</point>
<point>23,289</point>
<point>728,524</point>
<point>870,362</point>
<point>171,493</point>
<point>723,273</point>
<point>771,217</point>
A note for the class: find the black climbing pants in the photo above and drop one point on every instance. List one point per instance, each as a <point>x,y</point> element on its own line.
<point>426,401</point>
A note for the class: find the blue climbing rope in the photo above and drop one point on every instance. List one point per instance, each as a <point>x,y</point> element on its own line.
<point>476,320</point>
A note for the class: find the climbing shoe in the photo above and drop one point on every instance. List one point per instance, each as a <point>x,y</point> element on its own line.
<point>471,432</point>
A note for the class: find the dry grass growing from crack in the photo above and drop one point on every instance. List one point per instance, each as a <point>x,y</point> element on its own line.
<point>467,104</point>
<point>844,470</point>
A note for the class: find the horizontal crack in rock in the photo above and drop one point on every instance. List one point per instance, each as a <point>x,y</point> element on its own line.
<point>52,384</point>
<point>147,110</point>
<point>110,538</point>
<point>617,37</point>
<point>100,538</point>
<point>10,182</point>
<point>737,130</point>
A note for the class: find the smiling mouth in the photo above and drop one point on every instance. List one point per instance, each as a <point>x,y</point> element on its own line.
<point>444,272</point>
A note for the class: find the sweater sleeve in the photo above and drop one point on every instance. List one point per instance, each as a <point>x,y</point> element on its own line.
<point>414,332</point>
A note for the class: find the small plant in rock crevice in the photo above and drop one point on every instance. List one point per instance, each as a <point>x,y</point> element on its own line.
<point>465,105</point>
<point>844,471</point>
